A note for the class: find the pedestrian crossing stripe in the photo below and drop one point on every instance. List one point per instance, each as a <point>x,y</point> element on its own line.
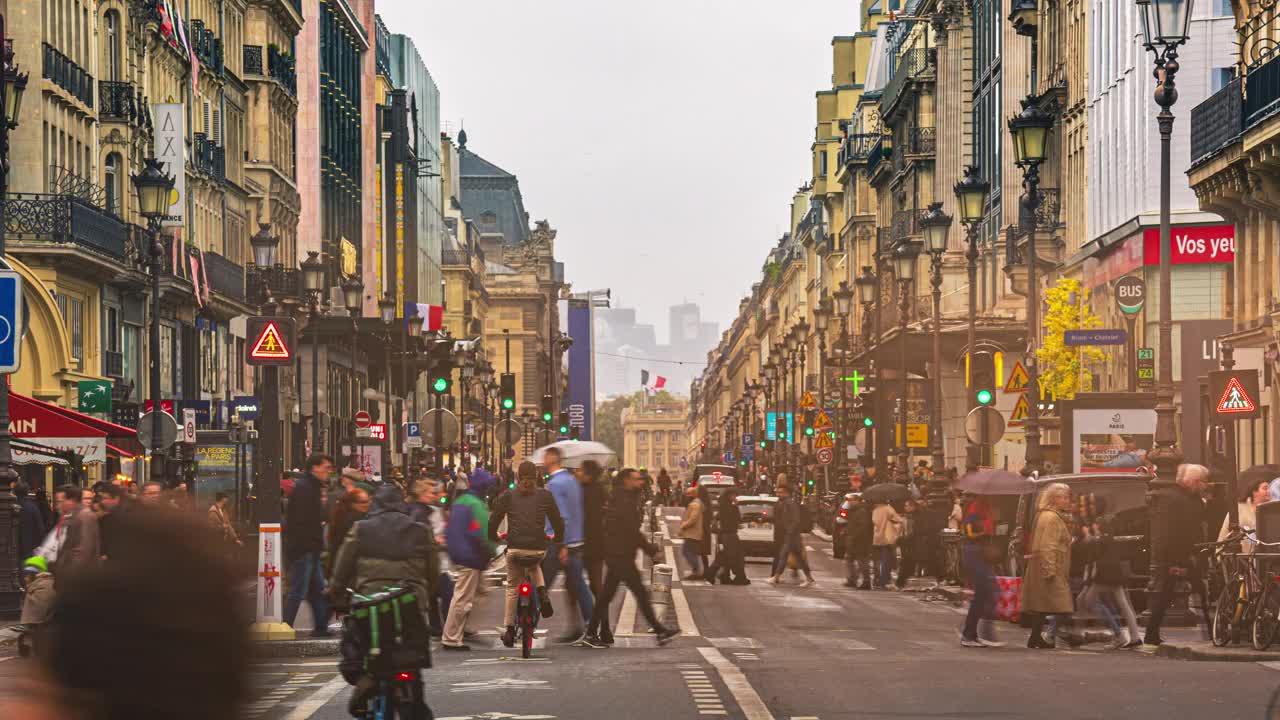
<point>822,422</point>
<point>1020,411</point>
<point>1235,399</point>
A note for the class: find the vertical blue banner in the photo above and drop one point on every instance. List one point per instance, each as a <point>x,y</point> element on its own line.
<point>579,401</point>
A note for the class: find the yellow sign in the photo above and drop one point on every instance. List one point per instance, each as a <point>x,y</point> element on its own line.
<point>824,441</point>
<point>807,402</point>
<point>917,435</point>
<point>822,422</point>
<point>348,257</point>
<point>1020,411</point>
<point>1018,379</point>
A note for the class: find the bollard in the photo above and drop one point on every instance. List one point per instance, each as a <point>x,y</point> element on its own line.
<point>660,588</point>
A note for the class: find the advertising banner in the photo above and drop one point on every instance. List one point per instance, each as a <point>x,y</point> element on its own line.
<point>1112,440</point>
<point>579,402</point>
<point>1193,245</point>
<point>170,150</point>
<point>217,470</point>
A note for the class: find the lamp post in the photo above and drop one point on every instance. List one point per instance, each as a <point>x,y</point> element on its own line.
<point>904,269</point>
<point>971,192</point>
<point>1030,131</point>
<point>769,370</point>
<point>14,84</point>
<point>822,320</point>
<point>153,186</point>
<point>313,282</point>
<point>1166,24</point>
<point>387,314</point>
<point>844,305</point>
<point>936,225</point>
<point>868,289</point>
<point>270,434</point>
<point>413,330</point>
<point>352,294</point>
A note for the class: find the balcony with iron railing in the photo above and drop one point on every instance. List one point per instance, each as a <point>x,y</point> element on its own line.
<point>910,66</point>
<point>67,75</point>
<point>1048,211</point>
<point>225,276</point>
<point>905,223</point>
<point>856,148</point>
<point>118,101</point>
<point>922,141</point>
<point>59,219</point>
<point>282,67</point>
<point>875,154</point>
<point>207,158</point>
<point>252,60</point>
<point>1217,122</point>
<point>1261,92</point>
<point>206,46</point>
<point>280,282</point>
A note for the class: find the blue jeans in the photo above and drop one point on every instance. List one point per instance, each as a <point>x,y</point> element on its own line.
<point>692,555</point>
<point>306,580</point>
<point>978,572</point>
<point>885,557</point>
<point>575,577</point>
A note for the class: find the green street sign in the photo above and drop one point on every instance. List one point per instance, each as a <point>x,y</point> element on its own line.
<point>95,396</point>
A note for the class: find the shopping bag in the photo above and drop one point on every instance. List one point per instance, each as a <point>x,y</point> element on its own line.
<point>1008,599</point>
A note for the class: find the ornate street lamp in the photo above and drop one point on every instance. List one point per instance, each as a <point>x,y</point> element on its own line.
<point>264,246</point>
<point>313,272</point>
<point>1166,24</point>
<point>971,192</point>
<point>15,84</point>
<point>153,186</point>
<point>904,257</point>
<point>936,226</point>
<point>352,295</point>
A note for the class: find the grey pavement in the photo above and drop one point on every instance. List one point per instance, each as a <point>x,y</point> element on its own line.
<point>766,652</point>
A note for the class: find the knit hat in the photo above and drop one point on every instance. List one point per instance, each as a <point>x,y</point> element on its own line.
<point>35,563</point>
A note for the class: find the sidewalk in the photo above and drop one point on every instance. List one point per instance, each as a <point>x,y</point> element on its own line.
<point>8,637</point>
<point>1192,644</point>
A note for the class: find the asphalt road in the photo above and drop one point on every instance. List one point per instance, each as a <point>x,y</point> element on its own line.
<point>787,652</point>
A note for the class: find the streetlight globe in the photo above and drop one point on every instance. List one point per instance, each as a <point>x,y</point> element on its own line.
<point>866,283</point>
<point>936,224</point>
<point>387,309</point>
<point>352,289</point>
<point>415,324</point>
<point>1030,131</point>
<point>844,298</point>
<point>1165,23</point>
<point>822,315</point>
<point>153,186</point>
<point>904,260</point>
<point>971,192</point>
<point>313,273</point>
<point>264,246</point>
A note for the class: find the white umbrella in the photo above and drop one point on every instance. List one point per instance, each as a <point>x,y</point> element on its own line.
<point>575,452</point>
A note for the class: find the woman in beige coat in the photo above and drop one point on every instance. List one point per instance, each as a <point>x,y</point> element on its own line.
<point>691,530</point>
<point>1045,588</point>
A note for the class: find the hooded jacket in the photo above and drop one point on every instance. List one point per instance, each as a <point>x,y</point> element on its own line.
<point>388,549</point>
<point>622,526</point>
<point>467,535</point>
<point>527,517</point>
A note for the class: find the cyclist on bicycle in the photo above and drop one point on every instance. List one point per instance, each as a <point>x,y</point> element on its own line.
<point>527,511</point>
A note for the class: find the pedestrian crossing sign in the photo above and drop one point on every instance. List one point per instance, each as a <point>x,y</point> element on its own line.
<point>271,340</point>
<point>1236,391</point>
<point>823,440</point>
<point>822,422</point>
<point>1019,379</point>
<point>1020,411</point>
<point>807,402</point>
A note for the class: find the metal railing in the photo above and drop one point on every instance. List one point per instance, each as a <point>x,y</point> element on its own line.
<point>67,75</point>
<point>905,223</point>
<point>225,276</point>
<point>116,101</point>
<point>207,158</point>
<point>856,148</point>
<point>922,140</point>
<point>283,283</point>
<point>41,217</point>
<point>253,60</point>
<point>909,66</point>
<point>1217,121</point>
<point>451,257</point>
<point>283,68</point>
<point>1262,92</point>
<point>875,155</point>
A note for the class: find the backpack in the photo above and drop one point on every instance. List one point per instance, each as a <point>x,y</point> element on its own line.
<point>385,632</point>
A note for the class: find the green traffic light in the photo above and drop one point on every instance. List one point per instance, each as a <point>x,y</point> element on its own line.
<point>742,463</point>
<point>811,483</point>
<point>440,385</point>
<point>984,397</point>
<point>546,417</point>
<point>508,403</point>
<point>564,430</point>
<point>808,431</point>
<point>762,444</point>
<point>868,422</point>
<point>511,486</point>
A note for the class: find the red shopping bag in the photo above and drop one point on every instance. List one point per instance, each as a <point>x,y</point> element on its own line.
<point>1008,598</point>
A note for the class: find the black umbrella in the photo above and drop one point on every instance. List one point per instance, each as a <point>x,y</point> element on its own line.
<point>887,492</point>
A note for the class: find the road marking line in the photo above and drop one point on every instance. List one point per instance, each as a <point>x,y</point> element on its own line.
<point>317,699</point>
<point>1270,664</point>
<point>684,615</point>
<point>753,708</point>
<point>627,617</point>
<point>669,553</point>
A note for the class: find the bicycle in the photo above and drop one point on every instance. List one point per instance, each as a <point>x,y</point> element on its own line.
<point>527,610</point>
<point>1238,602</point>
<point>389,628</point>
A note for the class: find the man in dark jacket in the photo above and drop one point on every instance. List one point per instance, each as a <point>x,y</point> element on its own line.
<point>80,549</point>
<point>304,543</point>
<point>729,563</point>
<point>788,534</point>
<point>31,527</point>
<point>388,550</point>
<point>1177,525</point>
<point>467,538</point>
<point>594,496</point>
<point>857,544</point>
<point>527,509</point>
<point>622,539</point>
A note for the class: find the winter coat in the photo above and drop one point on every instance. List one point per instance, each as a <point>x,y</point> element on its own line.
<point>388,549</point>
<point>467,535</point>
<point>859,532</point>
<point>527,517</point>
<point>31,527</point>
<point>728,518</point>
<point>303,520</point>
<point>622,526</point>
<point>221,524</point>
<point>593,502</point>
<point>888,525</point>
<point>37,607</point>
<point>80,548</point>
<point>1045,588</point>
<point>1177,525</point>
<point>786,519</point>
<point>691,528</point>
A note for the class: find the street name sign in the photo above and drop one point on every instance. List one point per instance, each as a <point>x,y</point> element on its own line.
<point>1080,338</point>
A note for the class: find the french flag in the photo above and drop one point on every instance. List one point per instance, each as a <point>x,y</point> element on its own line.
<point>432,315</point>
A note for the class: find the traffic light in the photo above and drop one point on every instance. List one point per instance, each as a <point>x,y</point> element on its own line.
<point>764,444</point>
<point>440,384</point>
<point>507,391</point>
<point>808,431</point>
<point>546,409</point>
<point>703,445</point>
<point>742,463</point>
<point>564,423</point>
<point>868,422</point>
<point>982,378</point>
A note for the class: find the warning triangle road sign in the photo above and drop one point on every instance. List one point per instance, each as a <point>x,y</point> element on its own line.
<point>807,402</point>
<point>822,422</point>
<point>1236,399</point>
<point>824,440</point>
<point>271,340</point>
<point>1020,411</point>
<point>1018,379</point>
<point>269,345</point>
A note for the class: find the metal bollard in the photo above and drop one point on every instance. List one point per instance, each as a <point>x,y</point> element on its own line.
<point>660,588</point>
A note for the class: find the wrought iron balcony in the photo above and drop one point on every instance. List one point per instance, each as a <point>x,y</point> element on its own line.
<point>875,154</point>
<point>118,101</point>
<point>40,217</point>
<point>1262,92</point>
<point>1217,121</point>
<point>225,277</point>
<point>451,257</point>
<point>206,46</point>
<point>253,60</point>
<point>910,65</point>
<point>922,141</point>
<point>207,158</point>
<point>905,224</point>
<point>280,282</point>
<point>282,67</point>
<point>856,148</point>
<point>67,75</point>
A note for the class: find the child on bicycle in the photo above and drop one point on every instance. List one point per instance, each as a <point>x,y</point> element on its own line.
<point>527,509</point>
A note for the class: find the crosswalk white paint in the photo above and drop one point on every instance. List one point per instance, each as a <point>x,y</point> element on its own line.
<point>627,617</point>
<point>275,697</point>
<point>317,699</point>
<point>753,708</point>
<point>705,697</point>
<point>684,614</point>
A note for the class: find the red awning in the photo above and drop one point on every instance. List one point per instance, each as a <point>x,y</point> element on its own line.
<point>58,427</point>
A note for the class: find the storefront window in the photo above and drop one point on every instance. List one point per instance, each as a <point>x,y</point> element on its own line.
<point>131,348</point>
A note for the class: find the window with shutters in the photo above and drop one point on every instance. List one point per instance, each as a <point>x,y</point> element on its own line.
<point>216,133</point>
<point>207,116</point>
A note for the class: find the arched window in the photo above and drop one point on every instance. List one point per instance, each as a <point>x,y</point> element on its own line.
<point>111,34</point>
<point>111,180</point>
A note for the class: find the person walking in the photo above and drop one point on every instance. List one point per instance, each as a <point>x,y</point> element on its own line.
<point>978,527</point>
<point>527,509</point>
<point>1106,589</point>
<point>470,550</point>
<point>424,507</point>
<point>1046,589</point>
<point>304,543</point>
<point>350,509</point>
<point>887,526</point>
<point>729,565</point>
<point>1177,526</point>
<point>622,539</point>
<point>692,533</point>
<point>80,549</point>
<point>664,487</point>
<point>907,543</point>
<point>788,530</point>
<point>220,521</point>
<point>1247,513</point>
<point>594,495</point>
<point>115,503</point>
<point>858,536</point>
<point>567,557</point>
<point>31,526</point>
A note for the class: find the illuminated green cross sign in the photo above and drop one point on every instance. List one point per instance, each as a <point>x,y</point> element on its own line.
<point>856,379</point>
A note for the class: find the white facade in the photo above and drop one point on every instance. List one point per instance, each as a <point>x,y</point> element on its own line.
<point>1124,139</point>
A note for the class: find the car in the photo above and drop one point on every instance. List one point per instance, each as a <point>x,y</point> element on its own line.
<point>755,531</point>
<point>1119,497</point>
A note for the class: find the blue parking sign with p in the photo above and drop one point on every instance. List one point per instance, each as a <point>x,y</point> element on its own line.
<point>10,321</point>
<point>413,429</point>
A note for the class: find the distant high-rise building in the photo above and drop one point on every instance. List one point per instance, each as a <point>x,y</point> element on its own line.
<point>625,347</point>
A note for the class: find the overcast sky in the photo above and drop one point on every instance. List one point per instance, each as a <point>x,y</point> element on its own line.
<point>663,139</point>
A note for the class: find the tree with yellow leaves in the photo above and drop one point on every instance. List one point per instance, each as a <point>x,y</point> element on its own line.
<point>1061,366</point>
